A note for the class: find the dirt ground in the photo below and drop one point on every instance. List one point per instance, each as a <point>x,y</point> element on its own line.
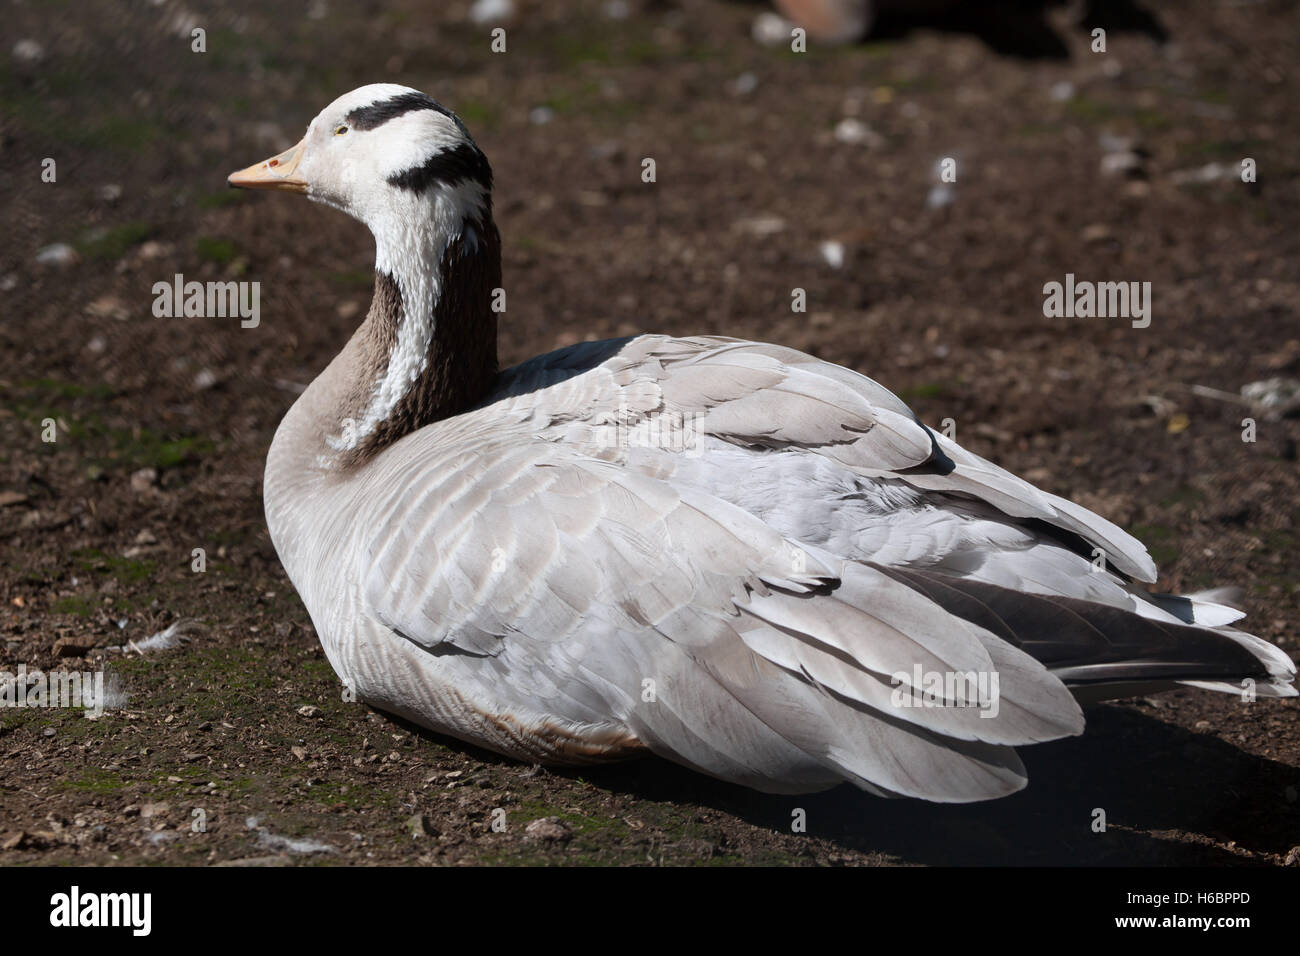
<point>163,423</point>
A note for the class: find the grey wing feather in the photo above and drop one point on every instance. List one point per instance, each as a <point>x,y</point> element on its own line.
<point>567,569</point>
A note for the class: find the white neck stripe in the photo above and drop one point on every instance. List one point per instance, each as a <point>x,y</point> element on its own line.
<point>411,252</point>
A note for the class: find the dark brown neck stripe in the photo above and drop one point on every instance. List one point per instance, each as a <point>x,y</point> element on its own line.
<point>461,363</point>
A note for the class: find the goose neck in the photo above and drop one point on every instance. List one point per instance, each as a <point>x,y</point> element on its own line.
<point>427,348</point>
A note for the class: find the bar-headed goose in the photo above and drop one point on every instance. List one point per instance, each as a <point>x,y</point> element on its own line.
<point>731,554</point>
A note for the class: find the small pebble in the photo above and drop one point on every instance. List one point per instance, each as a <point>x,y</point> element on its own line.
<point>760,225</point>
<point>59,254</point>
<point>1209,173</point>
<point>770,29</point>
<point>143,479</point>
<point>832,253</point>
<point>744,84</point>
<point>1126,163</point>
<point>549,830</point>
<point>491,11</point>
<point>856,132</point>
<point>150,810</point>
<point>941,195</point>
<point>28,51</point>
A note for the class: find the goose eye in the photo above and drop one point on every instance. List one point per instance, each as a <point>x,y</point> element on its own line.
<point>340,131</point>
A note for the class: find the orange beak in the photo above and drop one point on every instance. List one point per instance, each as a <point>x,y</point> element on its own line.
<point>278,172</point>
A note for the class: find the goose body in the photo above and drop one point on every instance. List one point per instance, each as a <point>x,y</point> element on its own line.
<point>731,554</point>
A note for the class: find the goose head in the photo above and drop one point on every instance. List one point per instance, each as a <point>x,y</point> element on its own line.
<point>387,155</point>
<point>403,164</point>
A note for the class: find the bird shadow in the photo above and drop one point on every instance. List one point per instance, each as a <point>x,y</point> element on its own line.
<point>1021,28</point>
<point>1170,797</point>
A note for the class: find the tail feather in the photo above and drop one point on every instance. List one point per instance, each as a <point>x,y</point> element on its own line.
<point>1205,608</point>
<point>1094,647</point>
